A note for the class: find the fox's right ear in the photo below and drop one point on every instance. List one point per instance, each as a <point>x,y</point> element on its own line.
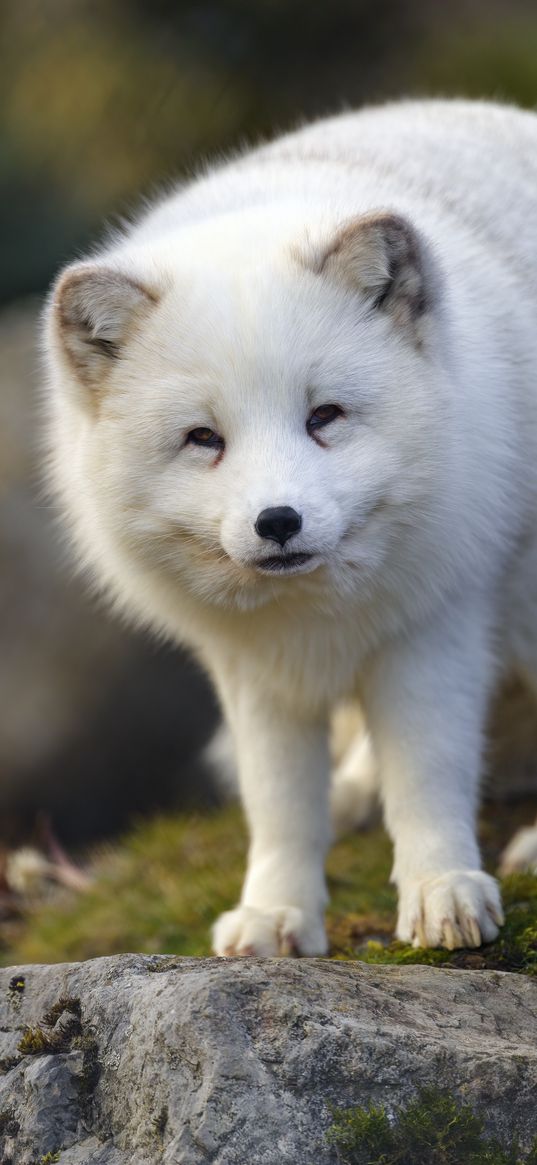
<point>385,259</point>
<point>93,312</point>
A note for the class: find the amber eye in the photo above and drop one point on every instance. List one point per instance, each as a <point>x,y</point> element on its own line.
<point>205,437</point>
<point>322,416</point>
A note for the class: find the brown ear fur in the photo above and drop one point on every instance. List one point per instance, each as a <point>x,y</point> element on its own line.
<point>382,256</point>
<point>97,309</point>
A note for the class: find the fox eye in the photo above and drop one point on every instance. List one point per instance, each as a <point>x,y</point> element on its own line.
<point>205,437</point>
<point>322,416</point>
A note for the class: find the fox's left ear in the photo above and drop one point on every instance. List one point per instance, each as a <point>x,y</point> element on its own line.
<point>94,310</point>
<point>383,257</point>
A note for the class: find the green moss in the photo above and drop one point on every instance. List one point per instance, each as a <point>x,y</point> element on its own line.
<point>51,1036</point>
<point>161,887</point>
<point>49,1159</point>
<point>37,1042</point>
<point>516,946</point>
<point>61,1030</point>
<point>67,1003</point>
<point>158,890</point>
<point>515,949</point>
<point>17,985</point>
<point>434,1129</point>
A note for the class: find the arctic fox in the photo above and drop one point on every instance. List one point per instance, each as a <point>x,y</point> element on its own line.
<point>293,423</point>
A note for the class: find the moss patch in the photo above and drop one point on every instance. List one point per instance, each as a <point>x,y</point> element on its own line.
<point>17,985</point>
<point>161,887</point>
<point>515,949</point>
<point>159,890</point>
<point>66,1003</point>
<point>59,1031</point>
<point>435,1129</point>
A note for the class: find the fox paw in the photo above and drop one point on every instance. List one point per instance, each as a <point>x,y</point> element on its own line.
<point>461,908</point>
<point>521,853</point>
<point>282,930</point>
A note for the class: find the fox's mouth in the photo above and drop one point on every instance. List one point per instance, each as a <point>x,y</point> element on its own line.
<point>286,563</point>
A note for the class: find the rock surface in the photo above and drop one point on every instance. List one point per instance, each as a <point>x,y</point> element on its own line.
<point>153,1059</point>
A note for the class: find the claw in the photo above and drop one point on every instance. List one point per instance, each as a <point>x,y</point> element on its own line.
<point>289,946</point>
<point>496,914</point>
<point>450,934</point>
<point>420,939</point>
<point>475,932</point>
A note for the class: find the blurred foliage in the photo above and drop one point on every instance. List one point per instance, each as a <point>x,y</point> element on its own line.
<point>103,99</point>
<point>160,889</point>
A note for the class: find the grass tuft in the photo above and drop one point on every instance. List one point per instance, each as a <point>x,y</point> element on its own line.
<point>515,949</point>
<point>434,1129</point>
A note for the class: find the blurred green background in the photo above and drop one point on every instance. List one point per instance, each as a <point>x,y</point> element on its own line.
<point>102,100</point>
<point>101,103</point>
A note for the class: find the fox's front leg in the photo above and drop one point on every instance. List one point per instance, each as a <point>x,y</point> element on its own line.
<point>284,770</point>
<point>426,699</point>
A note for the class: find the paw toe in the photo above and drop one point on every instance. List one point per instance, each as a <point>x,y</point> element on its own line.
<point>285,930</point>
<point>461,908</point>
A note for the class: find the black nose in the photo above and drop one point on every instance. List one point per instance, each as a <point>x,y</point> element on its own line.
<point>278,523</point>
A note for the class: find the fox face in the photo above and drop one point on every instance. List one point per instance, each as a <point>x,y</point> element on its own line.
<point>245,421</point>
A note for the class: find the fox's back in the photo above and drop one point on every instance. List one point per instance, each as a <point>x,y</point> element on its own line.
<point>476,162</point>
<point>471,164</point>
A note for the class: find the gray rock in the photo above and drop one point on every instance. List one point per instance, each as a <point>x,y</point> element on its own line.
<point>237,1062</point>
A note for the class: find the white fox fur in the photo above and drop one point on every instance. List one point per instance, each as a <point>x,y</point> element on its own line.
<point>384,264</point>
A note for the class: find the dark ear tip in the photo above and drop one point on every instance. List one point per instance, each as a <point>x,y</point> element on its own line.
<point>385,257</point>
<point>401,236</point>
<point>389,220</point>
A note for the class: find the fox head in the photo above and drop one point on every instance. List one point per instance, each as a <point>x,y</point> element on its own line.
<point>248,406</point>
